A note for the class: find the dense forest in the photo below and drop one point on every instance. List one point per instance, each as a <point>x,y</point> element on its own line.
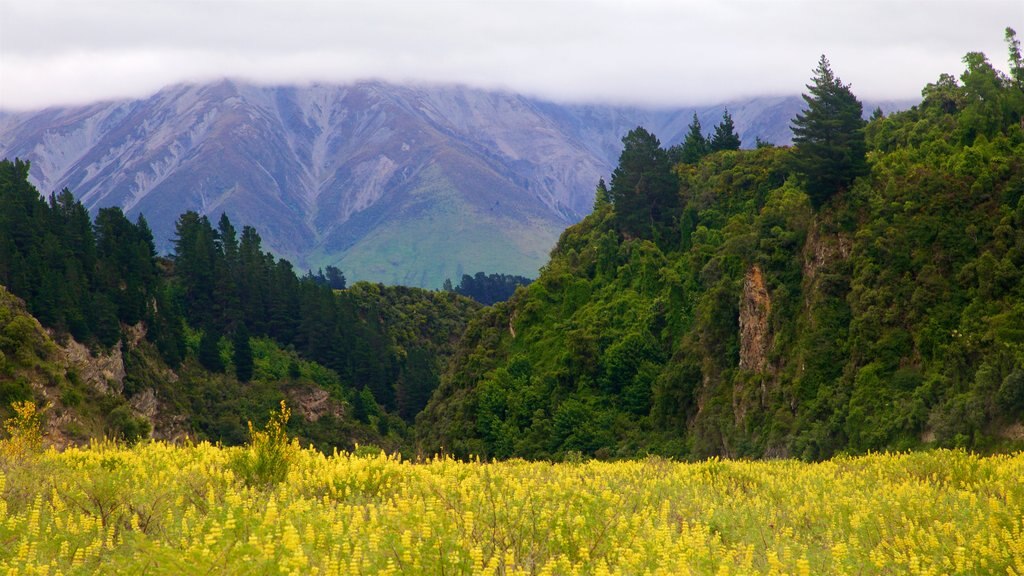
<point>861,290</point>
<point>215,311</point>
<point>487,289</point>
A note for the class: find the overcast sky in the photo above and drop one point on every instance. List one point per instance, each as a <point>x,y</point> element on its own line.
<point>637,51</point>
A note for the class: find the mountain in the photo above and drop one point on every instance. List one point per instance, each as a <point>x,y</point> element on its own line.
<point>886,315</point>
<point>397,184</point>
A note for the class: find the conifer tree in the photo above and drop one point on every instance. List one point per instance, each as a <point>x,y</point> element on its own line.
<point>829,136</point>
<point>209,351</point>
<point>242,357</point>
<point>695,146</point>
<point>601,196</point>
<point>725,137</point>
<point>644,189</point>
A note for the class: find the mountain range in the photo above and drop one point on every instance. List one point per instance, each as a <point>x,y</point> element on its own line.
<point>395,184</point>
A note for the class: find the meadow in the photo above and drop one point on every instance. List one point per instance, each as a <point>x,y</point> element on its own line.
<point>274,508</point>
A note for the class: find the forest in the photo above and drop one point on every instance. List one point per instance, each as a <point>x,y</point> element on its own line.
<point>212,305</point>
<point>858,291</point>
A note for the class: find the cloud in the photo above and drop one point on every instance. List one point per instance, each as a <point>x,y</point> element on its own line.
<point>646,52</point>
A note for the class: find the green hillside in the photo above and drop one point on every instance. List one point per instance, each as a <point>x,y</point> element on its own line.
<point>863,290</point>
<point>436,234</point>
<point>199,343</point>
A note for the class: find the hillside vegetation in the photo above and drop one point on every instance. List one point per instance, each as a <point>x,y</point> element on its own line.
<point>198,343</point>
<point>858,291</point>
<point>745,317</point>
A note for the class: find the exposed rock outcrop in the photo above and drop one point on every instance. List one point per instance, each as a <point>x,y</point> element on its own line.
<point>755,332</point>
<point>314,403</point>
<point>102,372</point>
<point>167,425</point>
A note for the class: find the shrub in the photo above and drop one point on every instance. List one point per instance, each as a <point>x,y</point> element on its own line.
<point>265,459</point>
<point>24,430</point>
<point>124,425</point>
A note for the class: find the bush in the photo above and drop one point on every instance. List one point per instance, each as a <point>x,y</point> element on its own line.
<point>24,430</point>
<point>125,425</point>
<point>265,460</point>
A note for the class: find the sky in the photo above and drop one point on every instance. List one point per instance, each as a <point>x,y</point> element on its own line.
<point>643,52</point>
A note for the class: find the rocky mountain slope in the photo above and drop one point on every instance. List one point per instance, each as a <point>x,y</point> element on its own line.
<point>398,184</point>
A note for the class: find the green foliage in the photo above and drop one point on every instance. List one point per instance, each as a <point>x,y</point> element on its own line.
<point>122,424</point>
<point>643,189</point>
<point>265,460</point>
<point>725,136</point>
<point>694,146</point>
<point>242,353</point>
<point>829,136</point>
<point>209,351</point>
<point>24,431</point>
<point>775,322</point>
<point>489,289</point>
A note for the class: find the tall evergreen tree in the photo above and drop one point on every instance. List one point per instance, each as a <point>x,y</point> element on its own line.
<point>725,137</point>
<point>601,196</point>
<point>644,190</point>
<point>829,136</point>
<point>695,146</point>
<point>209,351</point>
<point>195,256</point>
<point>335,278</point>
<point>229,307</point>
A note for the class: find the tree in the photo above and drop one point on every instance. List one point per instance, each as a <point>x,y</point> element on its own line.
<point>725,137</point>
<point>242,353</point>
<point>694,147</point>
<point>829,136</point>
<point>601,198</point>
<point>1015,60</point>
<point>209,351</point>
<point>644,190</point>
<point>335,278</point>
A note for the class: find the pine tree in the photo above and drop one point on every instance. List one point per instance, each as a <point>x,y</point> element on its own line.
<point>209,351</point>
<point>601,196</point>
<point>644,190</point>
<point>695,146</point>
<point>242,357</point>
<point>829,136</point>
<point>335,278</point>
<point>725,137</point>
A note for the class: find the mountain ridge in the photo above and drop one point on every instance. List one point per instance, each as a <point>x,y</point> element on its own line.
<point>398,184</point>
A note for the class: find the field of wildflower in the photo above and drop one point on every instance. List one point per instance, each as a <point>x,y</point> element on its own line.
<point>156,508</point>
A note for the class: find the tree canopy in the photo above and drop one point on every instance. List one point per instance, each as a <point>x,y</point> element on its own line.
<point>644,190</point>
<point>829,136</point>
<point>725,136</point>
<point>694,146</point>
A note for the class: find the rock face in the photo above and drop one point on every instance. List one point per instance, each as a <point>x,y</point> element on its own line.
<point>755,333</point>
<point>313,403</point>
<point>102,372</point>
